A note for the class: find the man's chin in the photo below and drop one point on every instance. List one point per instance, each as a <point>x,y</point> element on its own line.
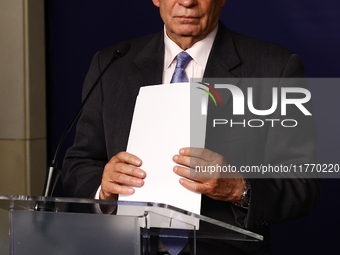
<point>188,30</point>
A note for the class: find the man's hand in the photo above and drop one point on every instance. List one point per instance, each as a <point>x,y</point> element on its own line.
<point>228,188</point>
<point>121,170</point>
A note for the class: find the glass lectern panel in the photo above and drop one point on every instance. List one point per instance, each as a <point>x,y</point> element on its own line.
<point>44,225</point>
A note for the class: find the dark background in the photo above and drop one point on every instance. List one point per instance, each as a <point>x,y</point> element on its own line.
<point>76,30</point>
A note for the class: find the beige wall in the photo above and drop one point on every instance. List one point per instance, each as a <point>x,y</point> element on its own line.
<point>22,97</point>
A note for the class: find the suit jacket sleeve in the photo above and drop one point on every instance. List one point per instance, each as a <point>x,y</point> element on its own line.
<point>280,199</point>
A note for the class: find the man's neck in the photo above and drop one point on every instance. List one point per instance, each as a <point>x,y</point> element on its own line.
<point>185,42</point>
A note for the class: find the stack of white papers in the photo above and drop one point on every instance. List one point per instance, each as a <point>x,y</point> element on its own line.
<point>160,128</point>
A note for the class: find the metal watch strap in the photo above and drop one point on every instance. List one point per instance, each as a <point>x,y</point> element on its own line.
<point>245,196</point>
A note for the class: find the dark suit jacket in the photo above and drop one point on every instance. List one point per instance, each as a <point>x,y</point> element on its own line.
<point>104,126</point>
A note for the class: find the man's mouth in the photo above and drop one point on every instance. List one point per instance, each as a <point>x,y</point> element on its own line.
<point>187,17</point>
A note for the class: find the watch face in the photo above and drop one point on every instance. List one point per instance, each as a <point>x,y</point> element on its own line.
<point>245,195</point>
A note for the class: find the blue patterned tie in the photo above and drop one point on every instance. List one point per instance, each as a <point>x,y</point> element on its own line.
<point>174,245</point>
<point>180,75</point>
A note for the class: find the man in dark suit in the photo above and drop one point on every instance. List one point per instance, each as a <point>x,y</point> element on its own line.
<point>98,163</point>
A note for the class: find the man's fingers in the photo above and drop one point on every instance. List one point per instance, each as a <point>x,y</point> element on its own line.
<point>188,161</point>
<point>198,153</point>
<point>197,157</point>
<point>113,189</point>
<point>130,170</point>
<point>104,195</point>
<point>191,185</point>
<point>192,174</point>
<point>124,168</point>
<point>182,171</point>
<point>185,151</point>
<point>121,173</point>
<point>128,158</point>
<point>124,179</point>
<point>182,160</point>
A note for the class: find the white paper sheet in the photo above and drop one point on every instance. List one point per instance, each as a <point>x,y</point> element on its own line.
<point>160,127</point>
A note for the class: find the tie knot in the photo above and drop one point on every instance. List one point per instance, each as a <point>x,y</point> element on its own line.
<point>180,75</point>
<point>183,59</point>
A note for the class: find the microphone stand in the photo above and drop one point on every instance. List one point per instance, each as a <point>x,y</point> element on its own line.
<point>53,173</point>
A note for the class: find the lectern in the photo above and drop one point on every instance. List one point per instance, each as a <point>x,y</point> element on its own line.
<point>44,225</point>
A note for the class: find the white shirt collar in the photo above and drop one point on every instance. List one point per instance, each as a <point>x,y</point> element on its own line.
<point>199,51</point>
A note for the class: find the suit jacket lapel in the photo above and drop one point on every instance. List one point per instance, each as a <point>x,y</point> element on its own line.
<point>223,61</point>
<point>223,57</point>
<point>149,65</point>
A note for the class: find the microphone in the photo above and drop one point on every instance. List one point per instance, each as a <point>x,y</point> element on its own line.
<point>52,172</point>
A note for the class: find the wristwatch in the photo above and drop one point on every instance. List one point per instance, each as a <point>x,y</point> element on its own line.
<point>245,196</point>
